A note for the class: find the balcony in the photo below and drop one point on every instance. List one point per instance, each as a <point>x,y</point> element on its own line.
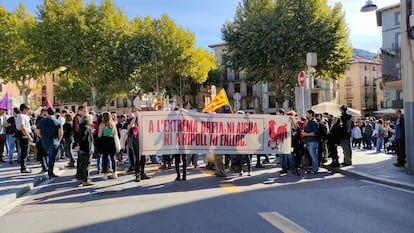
<point>391,72</point>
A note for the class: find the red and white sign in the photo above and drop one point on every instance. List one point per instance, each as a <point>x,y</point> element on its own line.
<point>301,78</point>
<point>180,132</point>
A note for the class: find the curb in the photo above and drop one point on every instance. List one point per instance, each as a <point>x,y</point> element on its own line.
<point>24,188</point>
<point>365,176</point>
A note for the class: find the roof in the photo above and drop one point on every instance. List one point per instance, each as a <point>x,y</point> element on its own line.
<point>387,8</point>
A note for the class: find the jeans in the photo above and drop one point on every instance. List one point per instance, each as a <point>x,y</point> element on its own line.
<point>52,151</point>
<point>193,158</point>
<point>313,152</point>
<point>10,142</point>
<point>378,144</point>
<point>240,162</point>
<point>368,141</point>
<point>67,147</point>
<point>346,146</point>
<point>283,161</point>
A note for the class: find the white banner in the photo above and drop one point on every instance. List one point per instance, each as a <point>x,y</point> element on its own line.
<point>181,132</point>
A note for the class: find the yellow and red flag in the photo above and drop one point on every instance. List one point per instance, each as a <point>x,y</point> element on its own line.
<point>219,101</point>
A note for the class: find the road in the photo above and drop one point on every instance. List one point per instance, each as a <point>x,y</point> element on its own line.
<point>264,202</point>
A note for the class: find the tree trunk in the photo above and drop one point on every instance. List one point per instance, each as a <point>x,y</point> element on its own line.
<point>94,98</point>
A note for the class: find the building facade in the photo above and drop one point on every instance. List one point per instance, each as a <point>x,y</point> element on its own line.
<point>362,87</point>
<point>389,18</point>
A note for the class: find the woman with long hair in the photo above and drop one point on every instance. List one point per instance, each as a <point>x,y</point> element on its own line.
<point>106,133</point>
<point>68,138</point>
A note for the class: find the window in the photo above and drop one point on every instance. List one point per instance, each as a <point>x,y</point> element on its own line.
<point>236,75</point>
<point>237,87</point>
<point>349,103</point>
<point>366,93</point>
<point>348,81</point>
<point>125,102</point>
<point>365,81</point>
<point>55,100</point>
<point>365,67</point>
<point>348,93</point>
<point>373,68</point>
<point>250,104</point>
<point>53,78</point>
<point>225,75</point>
<point>397,43</point>
<point>397,18</point>
<point>249,90</point>
<point>44,92</point>
<point>43,100</point>
<point>399,94</point>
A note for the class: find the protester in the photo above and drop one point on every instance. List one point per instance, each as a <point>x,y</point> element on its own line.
<point>24,135</point>
<point>334,141</point>
<point>82,110</point>
<point>85,149</point>
<point>68,139</point>
<point>400,139</point>
<point>379,134</point>
<point>106,133</point>
<point>3,123</point>
<point>50,131</point>
<point>136,159</point>
<point>11,140</point>
<point>311,139</point>
<point>345,135</point>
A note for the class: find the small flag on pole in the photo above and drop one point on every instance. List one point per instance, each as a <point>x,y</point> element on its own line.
<point>48,104</point>
<point>218,101</point>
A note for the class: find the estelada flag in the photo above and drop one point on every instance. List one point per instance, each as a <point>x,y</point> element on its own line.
<point>218,101</point>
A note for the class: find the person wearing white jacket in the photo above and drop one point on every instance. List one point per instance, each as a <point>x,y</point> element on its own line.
<point>356,137</point>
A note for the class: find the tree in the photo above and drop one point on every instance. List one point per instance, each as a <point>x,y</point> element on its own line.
<point>70,90</point>
<point>268,41</point>
<point>82,39</point>
<point>18,62</point>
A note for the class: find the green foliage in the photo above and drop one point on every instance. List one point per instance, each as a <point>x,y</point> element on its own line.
<point>69,89</point>
<point>18,63</point>
<point>269,40</point>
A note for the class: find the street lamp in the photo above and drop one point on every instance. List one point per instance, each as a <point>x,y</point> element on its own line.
<point>407,64</point>
<point>369,6</point>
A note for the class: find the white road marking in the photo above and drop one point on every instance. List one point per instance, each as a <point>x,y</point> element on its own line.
<point>388,186</point>
<point>282,223</point>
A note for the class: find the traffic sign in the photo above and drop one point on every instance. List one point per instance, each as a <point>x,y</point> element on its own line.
<point>301,78</point>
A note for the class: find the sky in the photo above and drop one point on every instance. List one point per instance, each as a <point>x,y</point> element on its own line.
<point>205,18</point>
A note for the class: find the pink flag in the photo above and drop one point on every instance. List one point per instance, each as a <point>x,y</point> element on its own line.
<point>48,104</point>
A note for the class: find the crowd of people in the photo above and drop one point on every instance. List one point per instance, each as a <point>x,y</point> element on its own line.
<point>105,137</point>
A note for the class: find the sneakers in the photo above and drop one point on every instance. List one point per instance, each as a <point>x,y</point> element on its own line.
<point>398,164</point>
<point>114,175</point>
<point>105,177</point>
<point>283,171</point>
<point>26,171</point>
<point>137,179</point>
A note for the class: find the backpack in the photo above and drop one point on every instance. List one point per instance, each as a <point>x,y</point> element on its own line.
<point>11,129</point>
<point>322,130</point>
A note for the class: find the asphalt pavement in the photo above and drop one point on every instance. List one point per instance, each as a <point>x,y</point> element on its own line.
<point>366,164</point>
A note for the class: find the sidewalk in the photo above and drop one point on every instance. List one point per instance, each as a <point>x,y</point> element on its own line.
<point>14,184</point>
<point>377,167</point>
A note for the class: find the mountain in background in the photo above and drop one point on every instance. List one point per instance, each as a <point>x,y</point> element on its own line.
<point>364,54</point>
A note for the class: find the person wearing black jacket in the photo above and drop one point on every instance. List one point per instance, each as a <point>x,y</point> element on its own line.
<point>345,135</point>
<point>333,142</point>
<point>85,148</point>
